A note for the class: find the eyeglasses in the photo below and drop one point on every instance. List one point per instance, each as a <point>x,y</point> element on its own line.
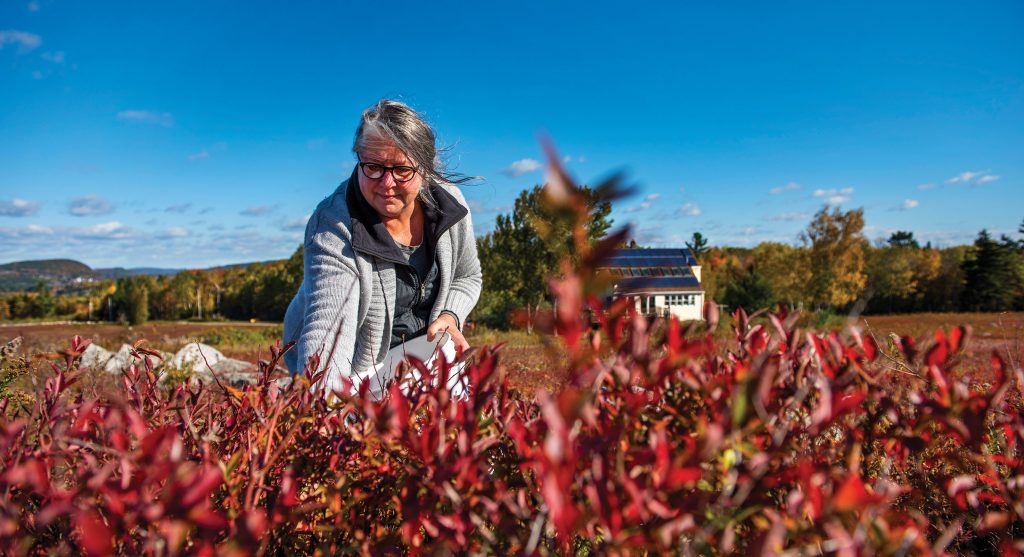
<point>375,171</point>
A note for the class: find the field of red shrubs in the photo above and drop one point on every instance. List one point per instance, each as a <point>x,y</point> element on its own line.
<point>773,439</point>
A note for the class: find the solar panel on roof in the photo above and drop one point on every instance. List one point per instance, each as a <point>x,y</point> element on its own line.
<point>631,283</point>
<point>651,258</point>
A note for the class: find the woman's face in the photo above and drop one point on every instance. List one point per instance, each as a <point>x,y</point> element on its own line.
<point>390,198</point>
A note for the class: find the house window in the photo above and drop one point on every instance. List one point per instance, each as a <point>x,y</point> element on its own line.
<point>680,299</point>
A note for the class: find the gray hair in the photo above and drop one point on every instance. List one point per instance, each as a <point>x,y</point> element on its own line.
<point>396,122</point>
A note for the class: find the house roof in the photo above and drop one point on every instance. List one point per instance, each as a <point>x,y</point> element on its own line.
<point>657,257</point>
<point>634,285</point>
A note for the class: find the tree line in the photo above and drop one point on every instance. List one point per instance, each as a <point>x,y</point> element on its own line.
<point>258,291</point>
<point>835,268</point>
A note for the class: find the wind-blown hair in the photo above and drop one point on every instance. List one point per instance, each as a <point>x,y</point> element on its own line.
<point>396,122</point>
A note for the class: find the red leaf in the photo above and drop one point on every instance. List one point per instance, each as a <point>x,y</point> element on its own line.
<point>95,536</point>
<point>852,495</point>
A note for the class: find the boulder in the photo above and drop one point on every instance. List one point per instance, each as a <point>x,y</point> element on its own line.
<point>95,357</point>
<point>191,358</point>
<point>119,361</point>
<point>235,372</point>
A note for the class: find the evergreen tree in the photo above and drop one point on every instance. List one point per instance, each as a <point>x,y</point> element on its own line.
<point>989,275</point>
<point>698,244</point>
<point>903,239</point>
<point>751,292</point>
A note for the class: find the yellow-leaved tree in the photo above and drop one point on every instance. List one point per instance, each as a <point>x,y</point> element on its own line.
<point>837,244</point>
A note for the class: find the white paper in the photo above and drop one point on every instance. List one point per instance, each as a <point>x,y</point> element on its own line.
<point>422,349</point>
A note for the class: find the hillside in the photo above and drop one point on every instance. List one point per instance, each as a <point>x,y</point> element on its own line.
<point>23,275</point>
<point>62,274</point>
<point>45,267</point>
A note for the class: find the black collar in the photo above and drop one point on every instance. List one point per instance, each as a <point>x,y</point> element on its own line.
<point>370,236</point>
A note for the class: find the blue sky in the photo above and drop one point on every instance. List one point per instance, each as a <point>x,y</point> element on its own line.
<point>192,134</point>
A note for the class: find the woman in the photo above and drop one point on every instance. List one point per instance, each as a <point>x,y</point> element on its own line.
<point>390,255</point>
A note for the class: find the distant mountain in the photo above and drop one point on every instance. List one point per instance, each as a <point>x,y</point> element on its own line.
<point>119,272</point>
<point>70,275</point>
<point>46,266</point>
<point>57,273</point>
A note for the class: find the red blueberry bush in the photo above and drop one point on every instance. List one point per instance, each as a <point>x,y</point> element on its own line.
<point>662,440</point>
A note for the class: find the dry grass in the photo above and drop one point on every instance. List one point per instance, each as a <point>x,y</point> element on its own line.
<point>529,362</point>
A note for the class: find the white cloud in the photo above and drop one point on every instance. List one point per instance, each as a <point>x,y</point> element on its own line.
<point>690,210</point>
<point>201,155</point>
<point>112,230</point>
<point>87,205</point>
<point>175,232</point>
<point>963,177</point>
<point>924,187</point>
<point>641,207</point>
<point>788,187</point>
<point>18,208</point>
<point>986,179</point>
<point>39,229</point>
<point>521,167</point>
<point>257,211</point>
<point>297,224</point>
<point>179,208</point>
<point>789,217</point>
<point>147,117</point>
<point>653,197</point>
<point>833,193</point>
<point>478,207</point>
<point>909,204</point>
<point>55,57</point>
<point>838,199</point>
<point>25,41</point>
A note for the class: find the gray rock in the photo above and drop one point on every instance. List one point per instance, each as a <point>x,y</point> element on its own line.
<point>123,358</point>
<point>235,372</point>
<point>95,357</point>
<point>120,360</point>
<point>230,365</point>
<point>191,357</point>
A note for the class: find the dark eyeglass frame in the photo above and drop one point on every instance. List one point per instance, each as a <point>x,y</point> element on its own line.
<point>384,170</point>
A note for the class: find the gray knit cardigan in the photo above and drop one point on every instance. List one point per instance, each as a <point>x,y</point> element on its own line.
<point>345,305</point>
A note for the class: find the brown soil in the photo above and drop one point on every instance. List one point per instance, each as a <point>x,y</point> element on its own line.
<point>169,336</point>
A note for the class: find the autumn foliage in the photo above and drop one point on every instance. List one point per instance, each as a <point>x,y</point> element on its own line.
<point>662,440</point>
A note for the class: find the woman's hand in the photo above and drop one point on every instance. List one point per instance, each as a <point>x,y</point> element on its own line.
<point>446,322</point>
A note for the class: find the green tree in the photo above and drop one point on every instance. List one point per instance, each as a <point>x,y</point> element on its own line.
<point>698,244</point>
<point>891,279</point>
<point>752,291</point>
<point>990,275</point>
<point>787,269</point>
<point>524,248</point>
<point>944,288</point>
<point>837,256</point>
<point>903,239</point>
<point>44,301</point>
<point>138,303</point>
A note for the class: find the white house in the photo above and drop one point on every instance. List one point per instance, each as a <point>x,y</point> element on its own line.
<point>663,281</point>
